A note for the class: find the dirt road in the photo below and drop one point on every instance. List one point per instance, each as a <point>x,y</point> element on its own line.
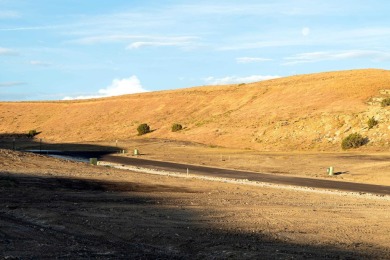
<point>251,176</point>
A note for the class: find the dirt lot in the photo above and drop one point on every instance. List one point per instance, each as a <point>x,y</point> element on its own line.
<point>52,208</point>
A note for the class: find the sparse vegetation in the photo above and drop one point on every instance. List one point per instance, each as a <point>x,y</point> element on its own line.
<point>32,133</point>
<point>143,129</point>
<point>176,127</point>
<point>354,140</point>
<point>247,116</point>
<point>372,122</point>
<point>385,102</point>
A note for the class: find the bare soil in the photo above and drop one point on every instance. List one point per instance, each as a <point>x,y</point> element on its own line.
<point>51,208</point>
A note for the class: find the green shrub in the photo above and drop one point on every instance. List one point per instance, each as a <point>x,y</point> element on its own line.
<point>354,140</point>
<point>176,127</point>
<point>372,122</point>
<point>385,102</point>
<point>32,133</point>
<point>143,129</point>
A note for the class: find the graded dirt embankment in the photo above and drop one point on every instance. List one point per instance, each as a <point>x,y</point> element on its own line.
<point>51,208</point>
<point>304,112</point>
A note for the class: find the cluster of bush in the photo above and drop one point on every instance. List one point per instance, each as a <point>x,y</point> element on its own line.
<point>385,102</point>
<point>145,128</point>
<point>354,140</point>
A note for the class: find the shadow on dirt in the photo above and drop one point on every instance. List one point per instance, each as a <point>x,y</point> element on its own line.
<point>23,142</point>
<point>51,217</point>
<point>340,173</point>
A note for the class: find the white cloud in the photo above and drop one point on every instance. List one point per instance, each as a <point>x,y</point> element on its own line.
<point>251,59</point>
<point>305,31</point>
<point>118,87</point>
<point>236,80</point>
<point>40,63</point>
<point>311,57</point>
<point>123,86</point>
<point>6,51</point>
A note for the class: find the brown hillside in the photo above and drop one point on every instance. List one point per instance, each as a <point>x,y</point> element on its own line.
<point>304,112</point>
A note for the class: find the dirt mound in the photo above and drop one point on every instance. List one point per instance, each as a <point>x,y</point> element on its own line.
<point>304,112</point>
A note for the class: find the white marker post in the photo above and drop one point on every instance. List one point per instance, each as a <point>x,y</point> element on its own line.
<point>330,171</point>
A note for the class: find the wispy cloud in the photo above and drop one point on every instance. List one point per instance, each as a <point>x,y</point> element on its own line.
<point>118,87</point>
<point>9,15</point>
<point>40,63</point>
<point>12,84</point>
<point>6,51</point>
<point>366,32</point>
<point>109,38</point>
<point>255,43</point>
<point>311,57</point>
<point>142,40</point>
<point>305,31</point>
<point>32,28</point>
<point>236,80</point>
<point>123,26</point>
<point>258,9</point>
<point>182,41</point>
<point>251,59</point>
<point>368,36</point>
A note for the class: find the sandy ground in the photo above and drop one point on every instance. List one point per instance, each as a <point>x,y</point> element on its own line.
<point>52,208</point>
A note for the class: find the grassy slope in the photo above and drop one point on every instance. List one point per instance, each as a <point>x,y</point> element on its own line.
<point>309,112</point>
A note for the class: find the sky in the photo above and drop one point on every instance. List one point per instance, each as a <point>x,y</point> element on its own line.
<point>74,49</point>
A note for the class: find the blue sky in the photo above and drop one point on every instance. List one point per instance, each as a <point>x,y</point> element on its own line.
<point>56,49</point>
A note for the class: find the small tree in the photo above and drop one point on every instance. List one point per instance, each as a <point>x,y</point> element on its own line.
<point>354,140</point>
<point>143,129</point>
<point>176,127</point>
<point>385,102</point>
<point>372,122</point>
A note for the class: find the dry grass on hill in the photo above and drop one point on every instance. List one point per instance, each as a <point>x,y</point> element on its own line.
<point>304,112</point>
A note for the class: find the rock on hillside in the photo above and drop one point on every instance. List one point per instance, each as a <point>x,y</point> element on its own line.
<point>303,112</point>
